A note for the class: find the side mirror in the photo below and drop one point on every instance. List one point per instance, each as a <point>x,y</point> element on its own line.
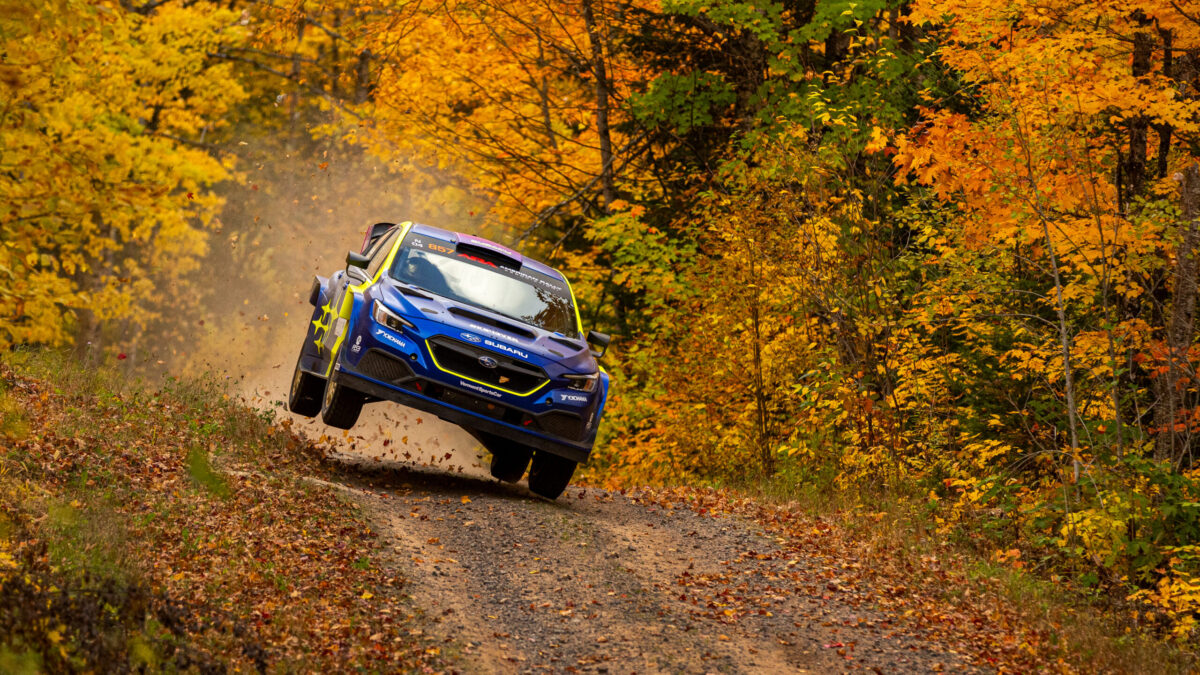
<point>357,260</point>
<point>599,342</point>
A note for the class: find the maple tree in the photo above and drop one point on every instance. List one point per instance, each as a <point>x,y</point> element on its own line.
<point>107,194</point>
<point>1051,182</point>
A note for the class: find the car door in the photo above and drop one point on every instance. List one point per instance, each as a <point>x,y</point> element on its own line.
<point>341,283</point>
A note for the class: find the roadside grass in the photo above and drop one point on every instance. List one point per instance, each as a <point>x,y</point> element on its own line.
<point>85,539</point>
<point>1070,627</point>
<point>13,424</point>
<point>173,529</point>
<point>202,473</point>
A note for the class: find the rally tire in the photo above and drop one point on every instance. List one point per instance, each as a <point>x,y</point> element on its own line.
<point>509,462</point>
<point>340,406</point>
<point>549,474</point>
<point>304,397</point>
<point>510,459</point>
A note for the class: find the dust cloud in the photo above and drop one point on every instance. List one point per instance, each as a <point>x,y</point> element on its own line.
<point>292,218</point>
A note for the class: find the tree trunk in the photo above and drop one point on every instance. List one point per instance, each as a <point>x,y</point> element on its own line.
<point>1174,444</point>
<point>543,89</point>
<point>87,338</point>
<point>766,457</point>
<point>294,101</point>
<point>335,59</point>
<point>600,73</point>
<point>362,77</point>
<point>1135,159</point>
<point>1164,130</point>
<point>89,333</point>
<point>1064,339</point>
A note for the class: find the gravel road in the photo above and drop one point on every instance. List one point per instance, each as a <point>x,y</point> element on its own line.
<point>597,582</point>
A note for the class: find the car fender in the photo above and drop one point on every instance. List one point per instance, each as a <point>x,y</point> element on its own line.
<point>319,284</point>
<point>352,302</point>
<point>603,398</point>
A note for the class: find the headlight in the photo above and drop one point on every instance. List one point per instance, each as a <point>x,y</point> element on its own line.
<point>583,382</point>
<point>387,317</point>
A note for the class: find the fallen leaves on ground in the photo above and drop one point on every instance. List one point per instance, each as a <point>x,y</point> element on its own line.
<point>931,595</point>
<point>203,506</point>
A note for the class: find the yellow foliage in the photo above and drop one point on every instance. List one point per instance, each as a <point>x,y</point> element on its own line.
<point>501,94</point>
<point>106,198</point>
<point>1177,593</point>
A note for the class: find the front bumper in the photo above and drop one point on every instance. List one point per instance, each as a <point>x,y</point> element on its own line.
<point>455,406</point>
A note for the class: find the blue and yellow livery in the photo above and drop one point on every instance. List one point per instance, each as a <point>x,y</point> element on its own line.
<point>463,328</point>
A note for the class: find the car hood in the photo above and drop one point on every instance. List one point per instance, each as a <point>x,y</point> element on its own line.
<point>464,322</point>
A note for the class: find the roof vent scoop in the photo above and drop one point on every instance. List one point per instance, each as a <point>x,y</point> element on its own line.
<point>489,251</point>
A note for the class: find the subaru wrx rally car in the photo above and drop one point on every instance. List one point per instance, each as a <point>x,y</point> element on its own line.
<point>465,329</point>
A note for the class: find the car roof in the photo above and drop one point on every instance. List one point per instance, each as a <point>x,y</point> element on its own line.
<point>456,237</point>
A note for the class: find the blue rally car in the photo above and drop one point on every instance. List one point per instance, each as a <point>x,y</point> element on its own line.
<point>465,329</point>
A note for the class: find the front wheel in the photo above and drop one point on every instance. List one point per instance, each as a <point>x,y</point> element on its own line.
<point>550,474</point>
<point>341,406</point>
<point>304,398</point>
<point>509,460</point>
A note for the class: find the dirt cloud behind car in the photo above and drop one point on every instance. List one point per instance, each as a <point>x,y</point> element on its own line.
<point>276,231</point>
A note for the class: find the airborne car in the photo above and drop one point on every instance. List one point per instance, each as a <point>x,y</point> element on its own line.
<point>465,329</point>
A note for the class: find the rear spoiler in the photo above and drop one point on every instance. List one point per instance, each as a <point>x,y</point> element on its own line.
<point>373,234</point>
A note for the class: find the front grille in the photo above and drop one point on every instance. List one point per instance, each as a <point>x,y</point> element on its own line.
<point>461,358</point>
<point>478,404</point>
<point>564,425</point>
<point>383,367</point>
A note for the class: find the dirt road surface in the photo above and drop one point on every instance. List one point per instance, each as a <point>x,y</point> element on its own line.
<point>597,582</point>
<point>594,582</point>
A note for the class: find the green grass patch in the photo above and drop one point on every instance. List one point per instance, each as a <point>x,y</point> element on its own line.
<point>16,662</point>
<point>202,473</point>
<point>86,539</point>
<point>14,425</point>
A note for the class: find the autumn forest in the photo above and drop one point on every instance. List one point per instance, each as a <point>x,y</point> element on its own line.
<point>938,252</point>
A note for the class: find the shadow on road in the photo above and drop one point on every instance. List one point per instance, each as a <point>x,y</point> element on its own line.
<point>356,471</point>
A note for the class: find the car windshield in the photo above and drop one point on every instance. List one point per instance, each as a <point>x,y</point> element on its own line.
<point>525,295</point>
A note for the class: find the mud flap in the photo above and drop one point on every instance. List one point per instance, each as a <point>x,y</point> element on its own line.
<point>314,357</point>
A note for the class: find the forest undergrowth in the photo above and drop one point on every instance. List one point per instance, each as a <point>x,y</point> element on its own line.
<point>176,529</point>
